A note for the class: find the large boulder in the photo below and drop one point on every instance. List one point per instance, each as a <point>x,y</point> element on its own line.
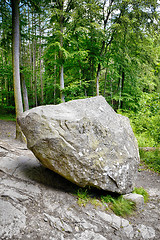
<point>85,141</point>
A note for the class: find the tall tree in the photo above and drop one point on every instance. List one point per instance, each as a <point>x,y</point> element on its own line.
<point>16,67</point>
<point>61,15</point>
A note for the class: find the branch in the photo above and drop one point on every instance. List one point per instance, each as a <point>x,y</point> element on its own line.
<point>69,6</point>
<point>9,4</point>
<point>108,14</point>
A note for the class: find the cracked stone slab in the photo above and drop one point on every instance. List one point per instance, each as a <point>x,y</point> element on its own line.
<point>74,216</point>
<point>112,219</point>
<point>13,194</point>
<point>118,223</point>
<point>25,187</point>
<point>89,235</point>
<point>58,223</point>
<point>8,165</point>
<point>147,232</point>
<point>12,220</point>
<point>3,152</point>
<point>87,225</point>
<point>23,167</point>
<point>106,217</point>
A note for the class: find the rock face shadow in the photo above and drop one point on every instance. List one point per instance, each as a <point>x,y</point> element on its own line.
<point>44,176</point>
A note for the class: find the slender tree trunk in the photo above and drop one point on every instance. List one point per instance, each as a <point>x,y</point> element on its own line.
<point>80,77</point>
<point>61,84</point>
<point>123,77</point>
<point>2,77</point>
<point>2,82</point>
<point>15,62</point>
<point>105,82</point>
<point>61,67</point>
<point>97,81</point>
<point>120,92</point>
<point>55,81</point>
<point>22,79</point>
<point>105,20</point>
<point>34,65</point>
<point>111,91</point>
<point>25,94</point>
<point>40,60</point>
<point>30,50</point>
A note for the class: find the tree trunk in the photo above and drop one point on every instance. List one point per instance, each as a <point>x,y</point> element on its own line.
<point>61,84</point>
<point>123,77</point>
<point>97,81</point>
<point>55,67</point>
<point>15,63</point>
<point>61,67</point>
<point>105,82</point>
<point>111,92</point>
<point>105,20</point>
<point>30,50</point>
<point>120,92</point>
<point>25,94</point>
<point>40,60</point>
<point>34,65</point>
<point>2,82</point>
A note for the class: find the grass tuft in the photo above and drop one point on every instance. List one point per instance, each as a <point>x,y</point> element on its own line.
<point>83,197</point>
<point>142,192</point>
<point>119,205</point>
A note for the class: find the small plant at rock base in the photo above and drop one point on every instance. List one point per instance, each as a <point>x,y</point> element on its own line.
<point>142,192</point>
<point>95,202</point>
<point>123,207</point>
<point>107,199</point>
<point>83,197</point>
<point>119,205</point>
<point>82,193</point>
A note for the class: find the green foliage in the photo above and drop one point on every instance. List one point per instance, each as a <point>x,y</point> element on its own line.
<point>142,192</point>
<point>119,205</point>
<point>83,197</point>
<point>82,193</point>
<point>123,207</point>
<point>116,203</point>
<point>151,159</point>
<point>96,202</point>
<point>7,113</point>
<point>121,36</point>
<point>145,121</point>
<point>8,117</point>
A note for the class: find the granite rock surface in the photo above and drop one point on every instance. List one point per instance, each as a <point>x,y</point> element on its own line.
<point>85,141</point>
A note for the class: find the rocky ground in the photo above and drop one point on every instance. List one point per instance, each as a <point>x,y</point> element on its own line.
<point>36,203</point>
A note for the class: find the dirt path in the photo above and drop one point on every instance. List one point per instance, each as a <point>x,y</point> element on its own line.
<point>37,204</point>
<point>7,129</point>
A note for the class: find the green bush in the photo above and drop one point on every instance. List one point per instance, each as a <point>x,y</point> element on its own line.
<point>145,122</point>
